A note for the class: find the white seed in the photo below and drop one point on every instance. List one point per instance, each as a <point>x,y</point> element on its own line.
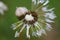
<point>21,11</point>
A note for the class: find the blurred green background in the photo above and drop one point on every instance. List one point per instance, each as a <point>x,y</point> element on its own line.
<point>6,33</point>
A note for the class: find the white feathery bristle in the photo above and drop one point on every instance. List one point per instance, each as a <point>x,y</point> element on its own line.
<point>17,34</point>
<point>34,34</point>
<point>50,15</point>
<point>45,8</point>
<point>40,1</point>
<point>3,8</point>
<point>43,31</point>
<point>13,26</point>
<point>48,27</point>
<point>51,9</point>
<point>37,25</point>
<point>29,17</point>
<point>22,28</point>
<point>40,32</point>
<point>34,1</point>
<point>27,33</point>
<point>48,20</point>
<point>21,11</point>
<point>47,1</point>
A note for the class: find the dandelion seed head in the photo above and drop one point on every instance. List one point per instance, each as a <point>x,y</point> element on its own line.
<point>3,8</point>
<point>38,20</point>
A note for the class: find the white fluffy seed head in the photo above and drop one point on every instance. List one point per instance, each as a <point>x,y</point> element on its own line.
<point>3,8</point>
<point>21,11</point>
<point>29,17</point>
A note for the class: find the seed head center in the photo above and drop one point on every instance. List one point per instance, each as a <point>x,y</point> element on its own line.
<point>29,17</point>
